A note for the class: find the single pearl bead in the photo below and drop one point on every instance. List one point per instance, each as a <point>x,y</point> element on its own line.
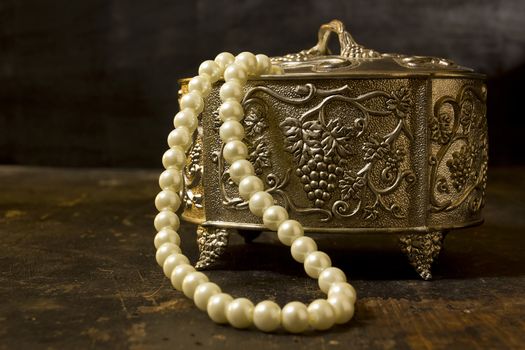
<point>170,179</point>
<point>181,137</point>
<point>179,273</point>
<point>247,61</point>
<point>231,90</point>
<point>289,231</point>
<point>224,59</point>
<point>191,282</point>
<point>259,202</point>
<point>295,317</point>
<point>201,84</point>
<point>301,247</point>
<point>217,305</point>
<point>240,169</point>
<point>264,64</point>
<point>231,130</point>
<point>234,150</point>
<point>321,314</point>
<point>249,185</point>
<point>344,309</point>
<point>175,157</point>
<point>276,70</point>
<point>240,313</point>
<point>267,316</point>
<point>192,100</point>
<point>167,200</point>
<point>211,69</point>
<point>167,219</point>
<point>235,72</point>
<point>164,251</point>
<point>329,276</point>
<point>315,263</point>
<point>231,109</point>
<point>166,235</point>
<point>186,118</point>
<point>343,289</point>
<point>273,216</point>
<point>172,261</point>
<point>203,293</point>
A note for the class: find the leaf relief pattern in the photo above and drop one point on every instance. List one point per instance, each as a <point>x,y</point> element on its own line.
<point>324,150</point>
<point>460,132</point>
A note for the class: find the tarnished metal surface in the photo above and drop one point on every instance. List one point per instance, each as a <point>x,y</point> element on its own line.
<point>405,153</point>
<point>458,151</point>
<point>338,154</point>
<point>354,59</point>
<point>421,250</point>
<point>212,243</point>
<point>354,154</point>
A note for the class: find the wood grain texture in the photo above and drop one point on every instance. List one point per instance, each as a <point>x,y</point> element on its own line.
<point>77,270</point>
<point>93,83</point>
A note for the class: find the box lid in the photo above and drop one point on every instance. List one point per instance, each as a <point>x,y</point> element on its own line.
<point>355,60</point>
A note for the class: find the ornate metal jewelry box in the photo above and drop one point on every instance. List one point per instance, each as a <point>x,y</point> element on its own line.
<point>360,142</point>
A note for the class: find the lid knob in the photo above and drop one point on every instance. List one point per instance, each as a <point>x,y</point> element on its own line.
<point>349,47</point>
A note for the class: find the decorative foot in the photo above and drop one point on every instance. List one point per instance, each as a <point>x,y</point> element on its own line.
<point>421,250</point>
<point>249,235</point>
<point>212,244</point>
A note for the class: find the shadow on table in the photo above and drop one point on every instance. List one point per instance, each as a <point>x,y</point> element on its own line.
<point>486,251</point>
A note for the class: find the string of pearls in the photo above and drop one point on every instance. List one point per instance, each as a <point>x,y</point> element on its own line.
<point>294,317</point>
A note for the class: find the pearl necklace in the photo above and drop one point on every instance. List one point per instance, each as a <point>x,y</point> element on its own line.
<point>267,316</point>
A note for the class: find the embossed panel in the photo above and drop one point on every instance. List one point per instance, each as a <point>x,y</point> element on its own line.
<point>458,152</point>
<point>338,153</point>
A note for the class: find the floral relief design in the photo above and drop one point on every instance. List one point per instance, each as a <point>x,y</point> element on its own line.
<point>323,148</point>
<point>192,198</point>
<point>195,157</point>
<point>463,149</point>
<point>467,110</point>
<point>255,125</point>
<point>344,169</point>
<point>442,186</point>
<point>254,122</point>
<point>441,128</point>
<point>394,158</point>
<point>460,166</point>
<point>259,153</point>
<point>350,185</point>
<point>217,122</point>
<point>399,102</point>
<point>260,156</point>
<point>375,148</point>
<point>319,150</point>
<point>335,138</point>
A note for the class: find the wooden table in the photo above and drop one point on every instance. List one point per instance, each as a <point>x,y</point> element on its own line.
<point>77,270</point>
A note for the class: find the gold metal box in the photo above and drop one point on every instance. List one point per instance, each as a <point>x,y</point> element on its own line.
<point>360,142</point>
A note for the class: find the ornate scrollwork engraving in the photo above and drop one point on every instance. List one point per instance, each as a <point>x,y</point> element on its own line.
<point>322,147</point>
<point>458,166</point>
<point>193,174</point>
<point>343,168</point>
<point>256,126</point>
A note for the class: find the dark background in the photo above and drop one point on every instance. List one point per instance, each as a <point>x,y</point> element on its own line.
<point>94,83</point>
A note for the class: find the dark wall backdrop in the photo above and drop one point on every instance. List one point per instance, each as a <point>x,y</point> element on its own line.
<point>93,83</point>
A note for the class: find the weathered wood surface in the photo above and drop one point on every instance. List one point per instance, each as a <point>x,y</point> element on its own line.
<point>77,270</point>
